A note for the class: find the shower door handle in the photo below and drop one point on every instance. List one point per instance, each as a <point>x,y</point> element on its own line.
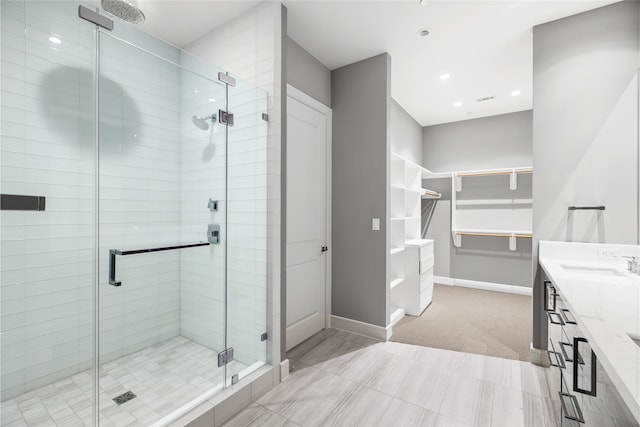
<point>112,268</point>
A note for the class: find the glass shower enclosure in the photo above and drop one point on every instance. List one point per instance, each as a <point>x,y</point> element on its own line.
<point>133,223</point>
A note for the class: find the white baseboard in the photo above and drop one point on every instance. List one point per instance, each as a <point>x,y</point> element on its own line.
<point>441,280</point>
<point>284,369</point>
<point>361,328</point>
<point>538,357</point>
<point>487,286</point>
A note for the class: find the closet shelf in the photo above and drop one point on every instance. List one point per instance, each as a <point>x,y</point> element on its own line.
<point>403,218</point>
<point>489,172</point>
<point>494,233</point>
<point>476,202</point>
<point>396,282</point>
<point>510,234</point>
<point>513,172</point>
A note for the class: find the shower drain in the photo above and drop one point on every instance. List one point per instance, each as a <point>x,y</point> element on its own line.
<point>124,397</point>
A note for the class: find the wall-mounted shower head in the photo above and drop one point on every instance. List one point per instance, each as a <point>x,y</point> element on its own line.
<point>203,122</point>
<point>127,10</point>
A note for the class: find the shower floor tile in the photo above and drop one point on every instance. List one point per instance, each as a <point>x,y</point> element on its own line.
<point>163,377</point>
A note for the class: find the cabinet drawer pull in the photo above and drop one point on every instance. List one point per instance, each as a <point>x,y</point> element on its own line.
<point>563,346</point>
<point>571,408</point>
<point>576,354</point>
<point>547,286</point>
<point>568,317</point>
<point>555,318</point>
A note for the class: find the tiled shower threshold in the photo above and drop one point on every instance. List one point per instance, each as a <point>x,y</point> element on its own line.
<point>165,378</point>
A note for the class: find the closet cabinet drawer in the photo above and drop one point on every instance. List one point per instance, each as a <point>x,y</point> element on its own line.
<point>426,280</point>
<point>425,252</point>
<point>426,265</point>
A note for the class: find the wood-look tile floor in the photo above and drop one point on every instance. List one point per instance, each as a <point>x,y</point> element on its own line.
<point>343,379</point>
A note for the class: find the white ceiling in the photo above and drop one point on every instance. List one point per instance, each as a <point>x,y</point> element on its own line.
<point>181,22</point>
<point>486,46</point>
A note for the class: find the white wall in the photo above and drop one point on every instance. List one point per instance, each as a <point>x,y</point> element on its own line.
<point>585,126</point>
<point>47,278</point>
<point>139,198</point>
<point>249,51</point>
<point>48,149</point>
<point>202,163</point>
<point>405,133</point>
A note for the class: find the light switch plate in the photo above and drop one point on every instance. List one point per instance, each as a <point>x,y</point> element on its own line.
<point>375,224</point>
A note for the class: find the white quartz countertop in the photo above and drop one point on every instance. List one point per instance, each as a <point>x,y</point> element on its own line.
<point>605,300</point>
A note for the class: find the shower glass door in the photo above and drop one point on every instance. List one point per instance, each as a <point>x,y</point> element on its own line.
<point>162,235</point>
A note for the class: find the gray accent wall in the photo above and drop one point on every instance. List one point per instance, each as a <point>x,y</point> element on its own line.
<point>585,128</point>
<point>360,96</point>
<point>501,141</point>
<point>405,133</point>
<point>306,73</point>
<point>491,142</point>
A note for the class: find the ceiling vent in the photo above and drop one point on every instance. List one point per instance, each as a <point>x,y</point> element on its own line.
<point>486,98</point>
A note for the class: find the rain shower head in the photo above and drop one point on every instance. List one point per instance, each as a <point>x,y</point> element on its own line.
<point>127,10</point>
<point>203,122</point>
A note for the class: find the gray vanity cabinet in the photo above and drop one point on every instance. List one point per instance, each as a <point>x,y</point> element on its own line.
<point>580,387</point>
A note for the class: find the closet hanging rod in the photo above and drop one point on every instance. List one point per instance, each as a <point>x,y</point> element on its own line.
<point>488,173</point>
<point>471,233</point>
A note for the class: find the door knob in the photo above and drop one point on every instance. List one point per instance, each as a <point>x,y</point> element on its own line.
<point>325,249</point>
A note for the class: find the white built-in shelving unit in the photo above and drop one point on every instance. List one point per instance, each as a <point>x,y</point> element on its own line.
<point>405,220</point>
<point>489,203</point>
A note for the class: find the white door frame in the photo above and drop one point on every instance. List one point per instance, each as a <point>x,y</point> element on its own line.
<point>310,102</point>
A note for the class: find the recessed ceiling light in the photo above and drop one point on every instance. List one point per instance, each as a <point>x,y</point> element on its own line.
<point>423,33</point>
<point>195,91</point>
<point>54,39</point>
<point>457,104</point>
<point>445,76</point>
<point>515,93</point>
<point>212,100</point>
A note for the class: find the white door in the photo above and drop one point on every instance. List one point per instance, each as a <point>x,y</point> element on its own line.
<point>307,134</point>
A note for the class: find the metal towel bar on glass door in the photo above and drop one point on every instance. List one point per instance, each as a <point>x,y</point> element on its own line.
<point>114,252</point>
<point>586,208</point>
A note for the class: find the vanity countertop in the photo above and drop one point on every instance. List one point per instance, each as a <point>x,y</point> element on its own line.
<point>605,300</point>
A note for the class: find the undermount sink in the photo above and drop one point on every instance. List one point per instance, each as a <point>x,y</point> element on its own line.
<point>598,271</point>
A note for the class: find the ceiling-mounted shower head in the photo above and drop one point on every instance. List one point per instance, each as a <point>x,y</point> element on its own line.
<point>203,122</point>
<point>127,10</point>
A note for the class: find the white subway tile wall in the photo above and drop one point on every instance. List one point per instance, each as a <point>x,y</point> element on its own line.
<point>139,191</point>
<point>47,149</point>
<point>157,173</point>
<point>202,156</point>
<point>249,53</point>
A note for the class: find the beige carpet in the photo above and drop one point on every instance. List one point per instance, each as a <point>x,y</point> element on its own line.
<point>473,321</point>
